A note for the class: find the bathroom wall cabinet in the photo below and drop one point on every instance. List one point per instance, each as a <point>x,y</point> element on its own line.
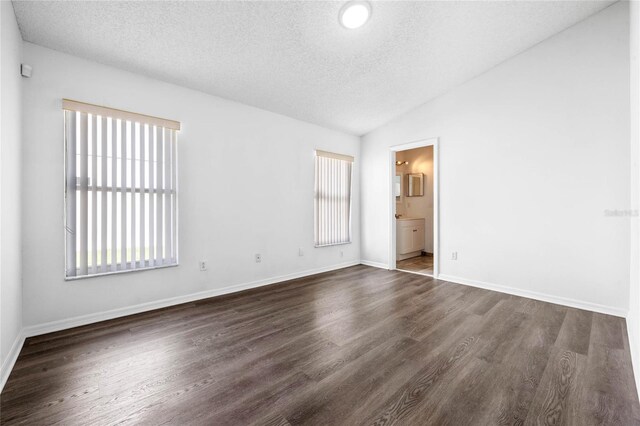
<point>410,237</point>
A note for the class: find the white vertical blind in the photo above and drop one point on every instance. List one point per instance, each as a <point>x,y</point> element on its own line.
<point>159,199</point>
<point>93,193</point>
<point>120,190</point>
<point>82,218</point>
<point>70,191</point>
<point>144,137</point>
<point>174,199</point>
<point>167,196</point>
<point>104,220</point>
<point>152,190</point>
<point>134,247</point>
<point>123,194</point>
<point>332,199</point>
<point>114,196</point>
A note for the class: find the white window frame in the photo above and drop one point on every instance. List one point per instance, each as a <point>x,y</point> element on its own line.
<point>333,199</point>
<point>122,156</point>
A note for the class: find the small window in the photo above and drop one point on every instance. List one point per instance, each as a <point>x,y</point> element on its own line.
<point>333,199</point>
<point>121,191</point>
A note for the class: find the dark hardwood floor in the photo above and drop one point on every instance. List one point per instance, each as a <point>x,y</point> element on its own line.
<point>355,346</point>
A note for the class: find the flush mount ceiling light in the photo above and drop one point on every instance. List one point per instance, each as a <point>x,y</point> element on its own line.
<point>355,14</point>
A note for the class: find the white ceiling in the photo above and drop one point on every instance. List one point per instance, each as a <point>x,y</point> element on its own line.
<point>294,58</point>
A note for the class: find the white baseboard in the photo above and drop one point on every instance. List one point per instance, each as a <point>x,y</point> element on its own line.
<point>633,348</point>
<point>594,307</point>
<point>374,264</point>
<point>11,359</point>
<point>50,327</point>
<point>35,330</point>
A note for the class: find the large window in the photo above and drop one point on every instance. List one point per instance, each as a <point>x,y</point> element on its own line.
<point>333,199</point>
<point>121,190</point>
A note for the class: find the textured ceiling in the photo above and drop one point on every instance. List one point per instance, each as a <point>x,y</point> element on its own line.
<point>293,57</point>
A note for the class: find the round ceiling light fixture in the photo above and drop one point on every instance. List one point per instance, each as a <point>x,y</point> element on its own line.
<point>355,14</point>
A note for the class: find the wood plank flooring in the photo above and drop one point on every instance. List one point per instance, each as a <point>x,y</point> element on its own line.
<point>419,264</point>
<point>356,346</point>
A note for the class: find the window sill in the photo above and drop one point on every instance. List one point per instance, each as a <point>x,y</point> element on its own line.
<point>333,244</point>
<point>105,274</point>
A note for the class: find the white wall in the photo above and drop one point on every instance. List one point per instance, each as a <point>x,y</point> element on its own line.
<point>633,319</point>
<point>10,188</point>
<point>532,153</point>
<point>245,181</point>
<point>420,161</point>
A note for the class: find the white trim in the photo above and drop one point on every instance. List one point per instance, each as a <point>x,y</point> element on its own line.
<point>420,143</point>
<point>12,357</point>
<point>35,330</point>
<point>558,300</point>
<point>50,327</point>
<point>436,201</point>
<point>633,349</point>
<point>122,271</point>
<point>374,264</point>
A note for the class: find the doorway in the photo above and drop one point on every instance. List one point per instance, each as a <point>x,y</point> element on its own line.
<point>414,208</point>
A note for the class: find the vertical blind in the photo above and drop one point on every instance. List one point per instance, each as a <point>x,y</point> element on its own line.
<point>121,190</point>
<point>332,199</point>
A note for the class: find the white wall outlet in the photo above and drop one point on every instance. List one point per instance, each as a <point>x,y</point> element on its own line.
<point>26,70</point>
<point>300,252</point>
<point>454,255</point>
<point>258,258</point>
<point>203,265</point>
<point>341,253</point>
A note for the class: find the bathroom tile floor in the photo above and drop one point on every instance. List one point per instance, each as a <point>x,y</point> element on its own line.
<point>419,264</point>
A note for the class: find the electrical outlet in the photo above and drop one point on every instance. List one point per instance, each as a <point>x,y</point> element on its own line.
<point>300,252</point>
<point>203,265</point>
<point>258,258</point>
<point>454,255</point>
<point>341,253</point>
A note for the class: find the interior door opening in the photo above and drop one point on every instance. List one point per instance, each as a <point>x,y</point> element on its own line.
<point>414,208</point>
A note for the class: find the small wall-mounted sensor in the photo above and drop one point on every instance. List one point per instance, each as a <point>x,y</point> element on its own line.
<point>26,70</point>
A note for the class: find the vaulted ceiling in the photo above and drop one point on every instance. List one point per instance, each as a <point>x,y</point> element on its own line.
<point>294,58</point>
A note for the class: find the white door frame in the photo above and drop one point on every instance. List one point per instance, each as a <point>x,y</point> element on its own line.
<point>436,200</point>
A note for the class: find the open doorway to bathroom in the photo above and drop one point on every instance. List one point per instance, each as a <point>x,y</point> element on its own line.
<point>414,208</point>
